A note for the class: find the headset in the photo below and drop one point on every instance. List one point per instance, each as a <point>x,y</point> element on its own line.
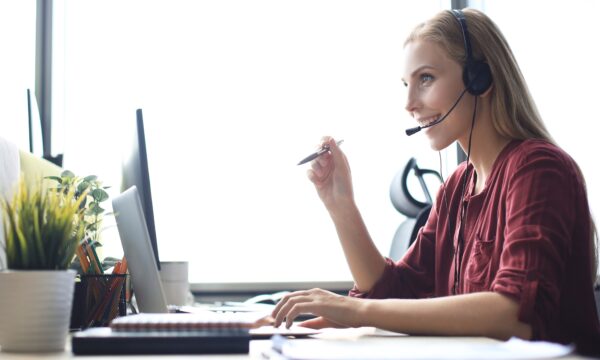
<point>477,75</point>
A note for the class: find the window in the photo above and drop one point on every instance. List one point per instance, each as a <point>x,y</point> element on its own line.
<point>17,69</point>
<point>234,94</point>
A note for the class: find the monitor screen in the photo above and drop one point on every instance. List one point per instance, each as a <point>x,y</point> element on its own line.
<point>135,172</point>
<point>35,125</point>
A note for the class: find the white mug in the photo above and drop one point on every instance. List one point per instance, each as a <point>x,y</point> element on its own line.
<point>174,278</point>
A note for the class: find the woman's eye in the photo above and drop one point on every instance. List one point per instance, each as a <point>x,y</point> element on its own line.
<point>426,78</point>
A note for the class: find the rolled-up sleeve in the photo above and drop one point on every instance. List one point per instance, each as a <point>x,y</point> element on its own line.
<point>539,221</point>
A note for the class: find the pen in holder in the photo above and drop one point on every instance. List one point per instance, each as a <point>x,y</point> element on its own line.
<point>98,299</point>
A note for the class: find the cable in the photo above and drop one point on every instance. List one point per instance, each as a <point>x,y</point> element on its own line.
<point>463,209</point>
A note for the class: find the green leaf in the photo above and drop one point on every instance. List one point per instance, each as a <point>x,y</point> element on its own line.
<point>99,195</point>
<point>82,187</point>
<point>83,203</point>
<point>97,210</point>
<point>94,210</point>
<point>90,178</point>
<point>67,174</point>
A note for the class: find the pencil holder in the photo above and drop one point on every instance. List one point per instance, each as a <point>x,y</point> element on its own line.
<point>98,299</point>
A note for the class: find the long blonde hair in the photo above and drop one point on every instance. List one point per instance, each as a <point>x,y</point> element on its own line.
<point>514,114</point>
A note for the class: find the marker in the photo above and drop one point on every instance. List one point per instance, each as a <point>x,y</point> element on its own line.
<point>315,155</point>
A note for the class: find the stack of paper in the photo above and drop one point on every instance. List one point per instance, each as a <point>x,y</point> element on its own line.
<point>412,348</point>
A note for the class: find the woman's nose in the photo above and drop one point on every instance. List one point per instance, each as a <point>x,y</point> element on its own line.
<point>411,100</point>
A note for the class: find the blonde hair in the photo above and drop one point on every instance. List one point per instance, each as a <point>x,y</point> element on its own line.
<point>514,114</point>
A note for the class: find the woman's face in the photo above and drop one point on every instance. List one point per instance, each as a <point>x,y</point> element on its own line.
<point>434,83</point>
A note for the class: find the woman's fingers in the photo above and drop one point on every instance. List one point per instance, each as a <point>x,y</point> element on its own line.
<point>284,305</point>
<point>298,308</point>
<point>320,323</point>
<point>289,310</point>
<point>317,166</point>
<point>296,303</point>
<point>314,301</point>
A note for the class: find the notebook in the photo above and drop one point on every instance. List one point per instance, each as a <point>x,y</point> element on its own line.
<point>104,341</point>
<point>202,320</point>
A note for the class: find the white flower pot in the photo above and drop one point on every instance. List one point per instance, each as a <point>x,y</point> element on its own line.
<point>35,309</point>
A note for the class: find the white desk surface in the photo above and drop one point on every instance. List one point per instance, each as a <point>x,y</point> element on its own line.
<point>256,349</point>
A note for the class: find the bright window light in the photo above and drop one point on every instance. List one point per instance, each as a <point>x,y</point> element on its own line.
<point>17,68</point>
<point>234,94</point>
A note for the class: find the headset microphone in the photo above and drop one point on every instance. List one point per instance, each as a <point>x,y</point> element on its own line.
<point>415,130</point>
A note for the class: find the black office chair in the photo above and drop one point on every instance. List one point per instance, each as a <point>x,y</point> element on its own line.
<point>416,211</point>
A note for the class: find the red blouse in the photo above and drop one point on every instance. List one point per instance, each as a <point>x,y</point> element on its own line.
<point>526,235</point>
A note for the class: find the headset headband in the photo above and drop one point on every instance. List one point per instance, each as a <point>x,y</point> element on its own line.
<point>460,16</point>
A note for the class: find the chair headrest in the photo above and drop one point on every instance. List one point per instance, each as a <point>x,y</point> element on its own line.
<point>400,195</point>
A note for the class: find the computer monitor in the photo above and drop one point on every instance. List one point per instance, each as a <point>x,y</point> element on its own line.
<point>36,133</point>
<point>135,172</point>
<point>34,125</point>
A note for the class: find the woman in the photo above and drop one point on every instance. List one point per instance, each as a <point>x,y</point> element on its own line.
<point>508,249</point>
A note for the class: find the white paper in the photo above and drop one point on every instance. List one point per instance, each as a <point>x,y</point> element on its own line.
<point>354,333</point>
<point>418,348</point>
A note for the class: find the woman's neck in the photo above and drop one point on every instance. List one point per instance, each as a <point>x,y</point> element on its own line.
<point>486,145</point>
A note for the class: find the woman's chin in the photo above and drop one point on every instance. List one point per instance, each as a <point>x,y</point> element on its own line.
<point>438,144</point>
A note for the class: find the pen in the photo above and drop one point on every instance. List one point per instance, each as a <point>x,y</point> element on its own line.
<point>315,155</point>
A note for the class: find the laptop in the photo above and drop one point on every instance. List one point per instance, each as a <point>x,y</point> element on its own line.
<point>131,223</point>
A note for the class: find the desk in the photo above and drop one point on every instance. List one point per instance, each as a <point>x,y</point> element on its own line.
<point>258,346</point>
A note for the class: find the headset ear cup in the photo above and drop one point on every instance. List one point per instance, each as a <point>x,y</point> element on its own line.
<point>477,77</point>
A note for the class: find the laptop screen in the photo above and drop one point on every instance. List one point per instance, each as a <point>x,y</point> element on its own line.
<point>137,248</point>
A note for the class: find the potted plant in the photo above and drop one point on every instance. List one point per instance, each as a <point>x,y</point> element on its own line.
<point>42,228</point>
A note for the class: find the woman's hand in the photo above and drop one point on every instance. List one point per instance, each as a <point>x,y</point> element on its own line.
<point>330,173</point>
<point>335,310</point>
